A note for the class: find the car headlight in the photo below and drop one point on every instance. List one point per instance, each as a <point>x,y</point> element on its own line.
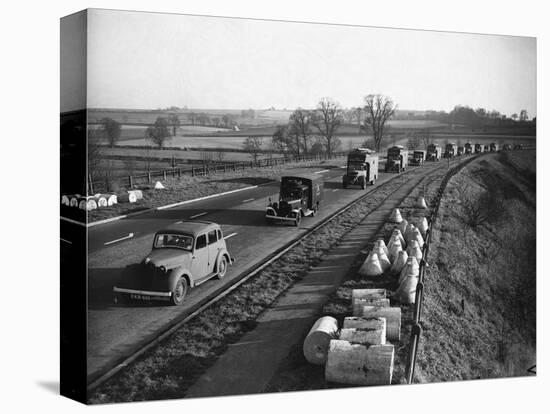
<point>163,269</point>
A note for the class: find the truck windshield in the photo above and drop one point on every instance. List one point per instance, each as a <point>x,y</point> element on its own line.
<point>291,193</point>
<point>355,166</point>
<point>178,241</point>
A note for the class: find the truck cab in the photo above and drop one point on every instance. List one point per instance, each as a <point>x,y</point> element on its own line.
<point>398,158</point>
<point>468,148</point>
<point>434,152</point>
<point>362,168</point>
<point>493,147</point>
<point>418,157</point>
<point>478,148</point>
<point>299,196</point>
<point>451,150</point>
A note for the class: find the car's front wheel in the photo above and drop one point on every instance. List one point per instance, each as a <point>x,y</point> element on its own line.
<point>179,292</point>
<point>222,267</point>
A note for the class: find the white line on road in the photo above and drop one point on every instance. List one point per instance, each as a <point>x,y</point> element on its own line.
<point>336,189</point>
<point>198,215</point>
<point>66,241</point>
<point>319,172</point>
<point>246,201</point>
<point>129,236</point>
<point>230,235</point>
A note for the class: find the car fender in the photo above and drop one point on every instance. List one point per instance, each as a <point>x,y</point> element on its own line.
<point>175,274</point>
<point>296,211</point>
<point>270,211</point>
<point>221,253</point>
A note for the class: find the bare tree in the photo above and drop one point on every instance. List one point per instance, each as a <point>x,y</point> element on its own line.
<point>158,132</point>
<point>327,118</point>
<point>174,121</point>
<point>523,115</point>
<point>425,138</point>
<point>378,109</point>
<point>253,145</point>
<point>111,130</point>
<point>300,126</point>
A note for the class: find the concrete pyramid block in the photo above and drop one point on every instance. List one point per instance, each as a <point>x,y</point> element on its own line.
<point>415,235</point>
<point>403,226</point>
<point>420,203</point>
<point>371,266</point>
<point>399,263</point>
<point>410,269</point>
<point>414,250</point>
<point>380,244</point>
<point>159,186</point>
<point>408,231</point>
<point>384,260</point>
<point>406,292</point>
<point>396,235</point>
<point>395,216</point>
<point>423,226</point>
<point>394,250</point>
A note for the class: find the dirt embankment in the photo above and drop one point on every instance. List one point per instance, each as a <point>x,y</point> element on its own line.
<point>479,315</point>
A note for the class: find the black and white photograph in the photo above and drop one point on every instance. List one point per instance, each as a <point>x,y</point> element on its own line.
<point>280,206</point>
<point>273,206</point>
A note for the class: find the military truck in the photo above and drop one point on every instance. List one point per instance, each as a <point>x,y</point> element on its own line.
<point>299,196</point>
<point>398,158</point>
<point>362,168</point>
<point>468,148</point>
<point>451,150</point>
<point>418,157</point>
<point>434,152</point>
<point>478,148</point>
<point>506,147</point>
<point>460,150</point>
<point>518,146</point>
<point>486,148</point>
<point>493,147</point>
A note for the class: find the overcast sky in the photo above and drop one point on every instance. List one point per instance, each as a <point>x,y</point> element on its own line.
<point>153,60</point>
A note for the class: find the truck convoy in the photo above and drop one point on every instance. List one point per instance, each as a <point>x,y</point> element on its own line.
<point>451,150</point>
<point>362,168</point>
<point>418,157</point>
<point>299,196</point>
<point>434,152</point>
<point>398,158</point>
<point>468,148</point>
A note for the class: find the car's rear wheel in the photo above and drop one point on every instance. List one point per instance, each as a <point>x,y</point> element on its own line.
<point>179,292</point>
<point>297,219</point>
<point>222,267</point>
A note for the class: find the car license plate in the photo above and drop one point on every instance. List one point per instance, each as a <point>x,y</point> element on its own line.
<point>140,297</point>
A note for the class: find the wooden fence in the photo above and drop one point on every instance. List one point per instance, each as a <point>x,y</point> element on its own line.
<point>106,184</point>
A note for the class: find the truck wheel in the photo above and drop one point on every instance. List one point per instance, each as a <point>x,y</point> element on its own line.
<point>297,219</point>
<point>178,295</point>
<point>222,267</point>
<point>363,186</point>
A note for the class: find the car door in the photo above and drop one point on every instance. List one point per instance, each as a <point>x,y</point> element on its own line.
<point>200,259</point>
<point>213,249</point>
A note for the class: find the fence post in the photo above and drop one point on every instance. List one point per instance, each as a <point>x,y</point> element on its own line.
<point>192,170</point>
<point>164,174</point>
<point>203,169</point>
<point>179,172</point>
<point>149,177</point>
<point>130,181</point>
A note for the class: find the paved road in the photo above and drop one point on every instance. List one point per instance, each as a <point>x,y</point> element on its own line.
<point>114,332</point>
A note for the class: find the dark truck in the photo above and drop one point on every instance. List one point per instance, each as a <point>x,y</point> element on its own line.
<point>460,150</point>
<point>478,148</point>
<point>468,148</point>
<point>451,150</point>
<point>398,157</point>
<point>434,152</point>
<point>299,196</point>
<point>362,168</point>
<point>493,147</point>
<point>418,157</point>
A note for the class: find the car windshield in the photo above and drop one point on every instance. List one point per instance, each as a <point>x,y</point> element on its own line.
<point>179,241</point>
